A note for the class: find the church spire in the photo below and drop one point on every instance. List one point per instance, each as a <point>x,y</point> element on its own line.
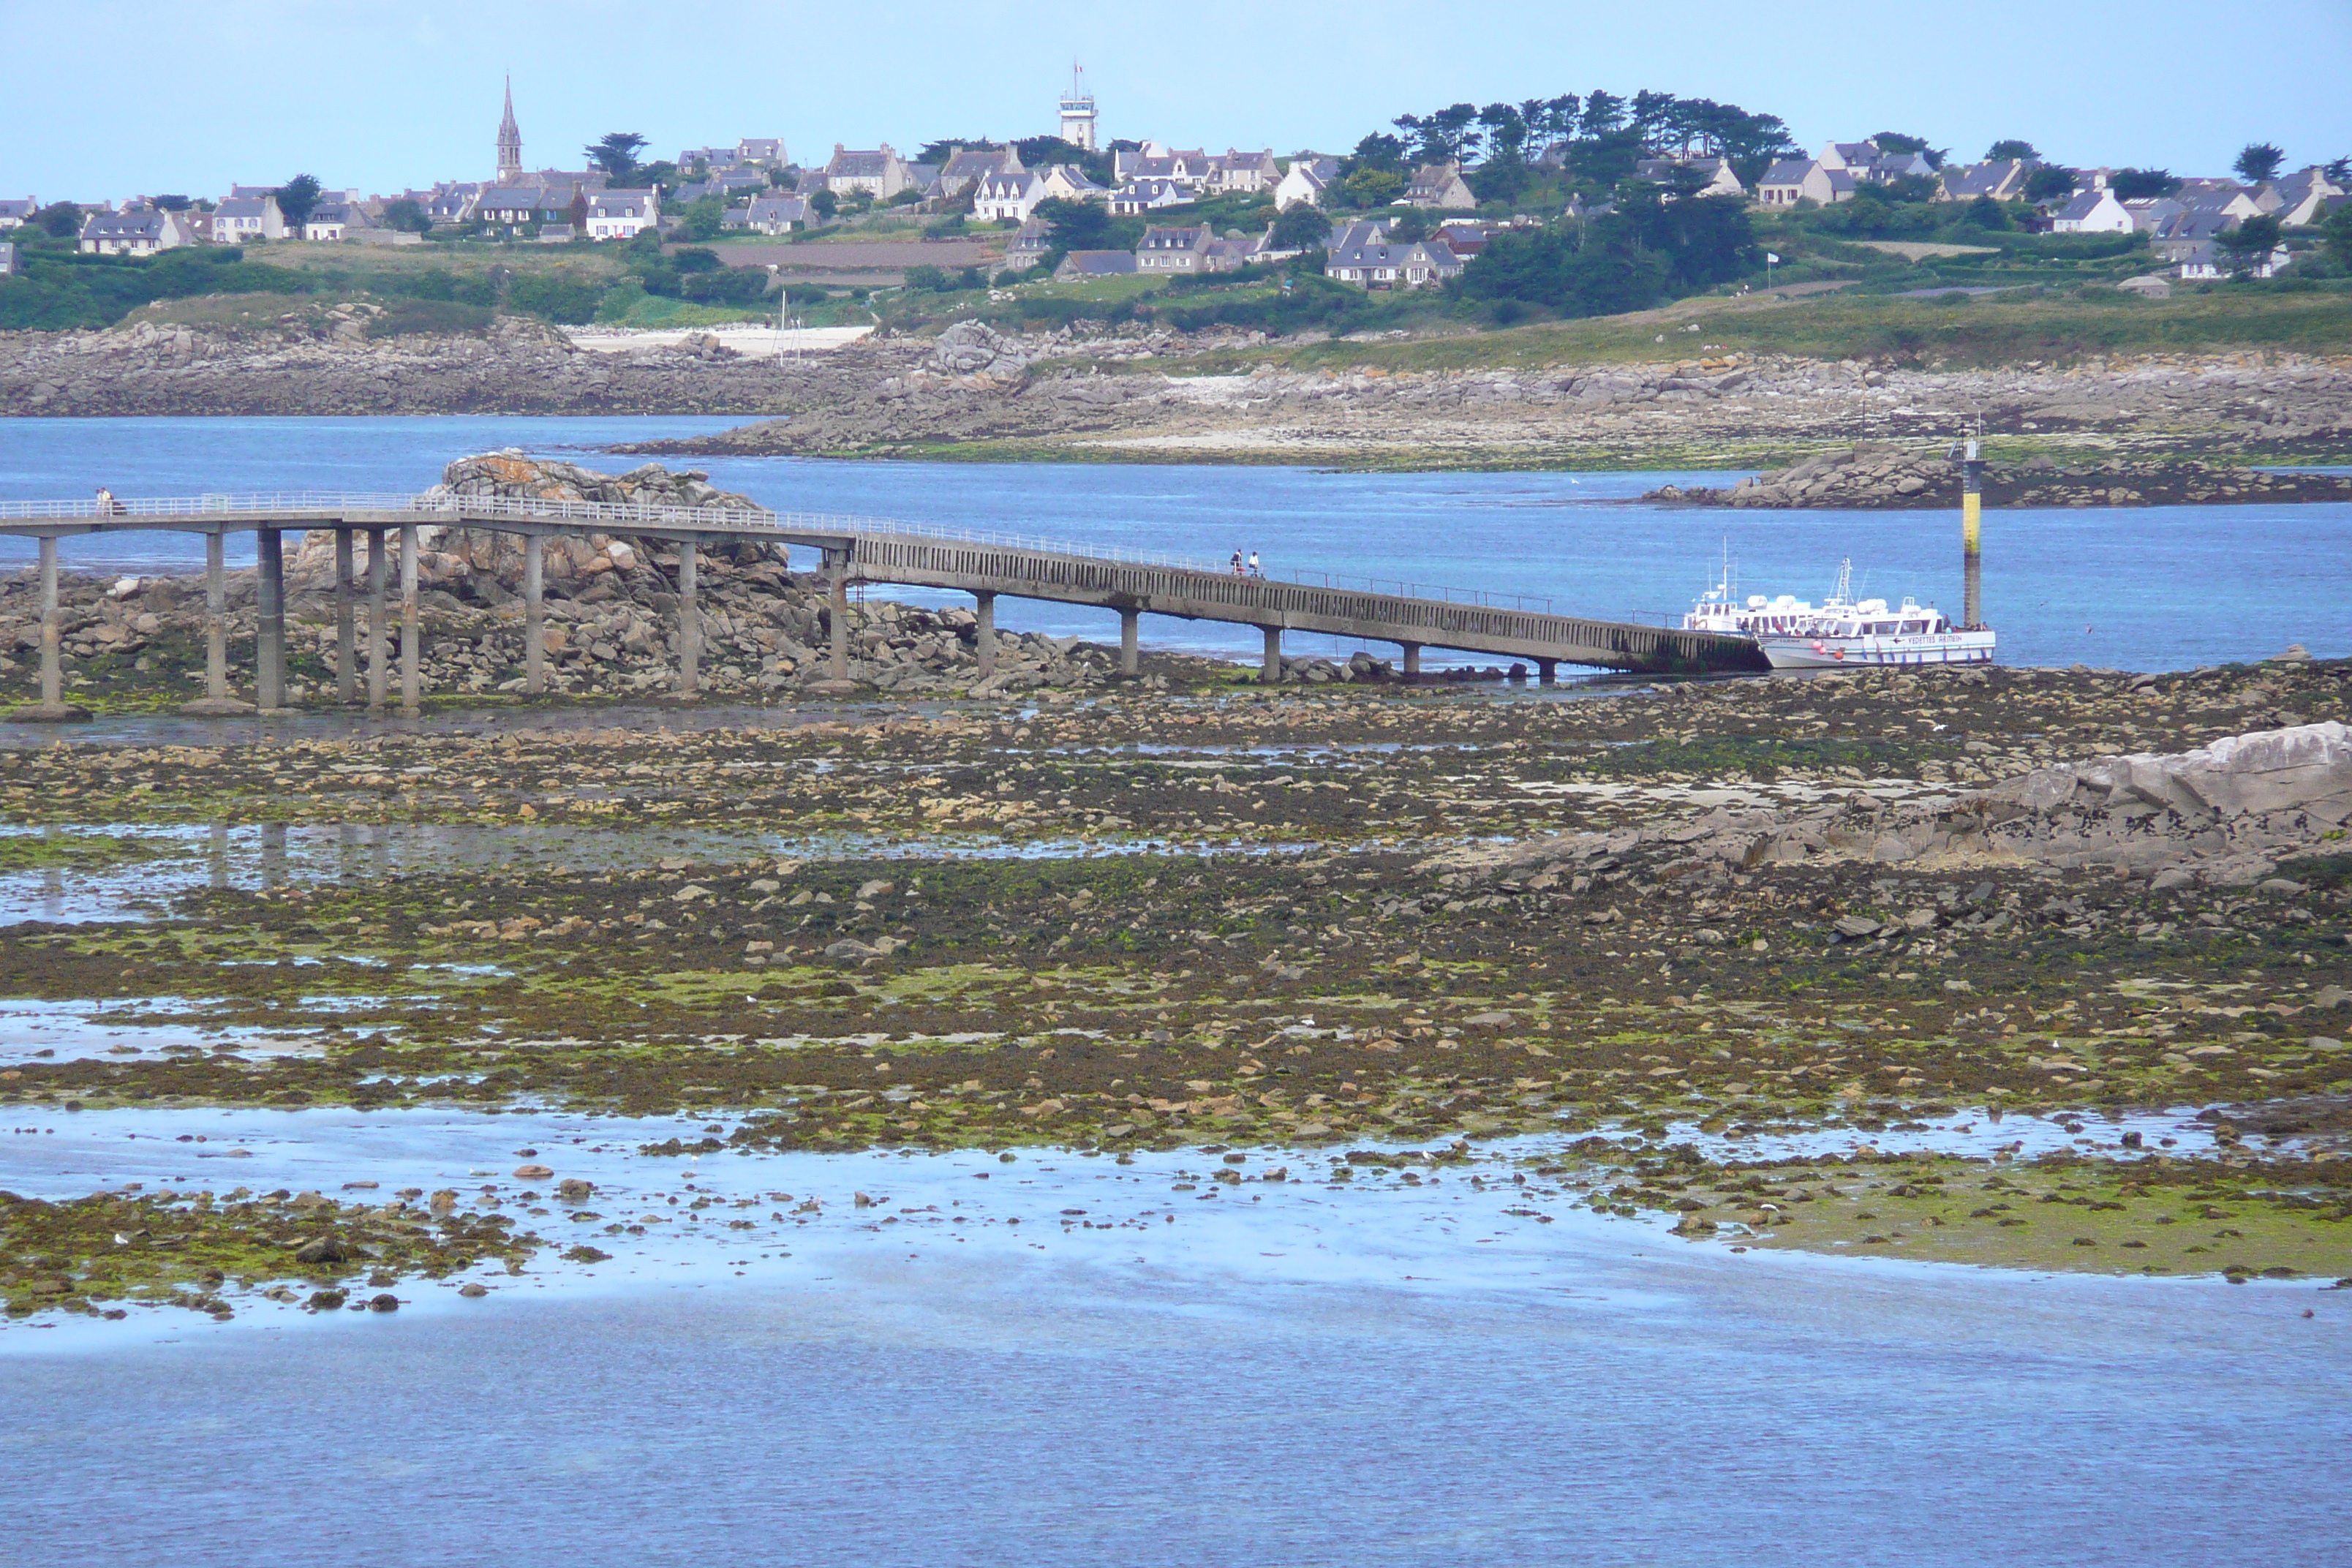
<point>510,141</point>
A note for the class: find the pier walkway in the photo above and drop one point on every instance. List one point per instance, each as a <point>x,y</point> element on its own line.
<point>854,550</point>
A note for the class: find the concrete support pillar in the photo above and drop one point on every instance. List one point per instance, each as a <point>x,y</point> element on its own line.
<point>1547,671</point>
<point>838,614</point>
<point>1271,674</point>
<point>215,702</point>
<point>1128,659</point>
<point>53,706</point>
<point>216,618</point>
<point>379,660</point>
<point>269,603</point>
<point>347,661</point>
<point>53,663</point>
<point>410,677</point>
<point>1412,660</point>
<point>534,619</point>
<point>690,621</point>
<point>986,643</point>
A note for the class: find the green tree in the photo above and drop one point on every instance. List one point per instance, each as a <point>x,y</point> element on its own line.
<point>2248,247</point>
<point>2049,184</point>
<point>2339,231</point>
<point>1409,225</point>
<point>1986,213</point>
<point>927,279</point>
<point>1373,187</point>
<point>2001,152</point>
<point>2339,170</point>
<point>406,215</point>
<point>824,204</point>
<point>2258,163</point>
<point>1377,150</point>
<point>1301,227</point>
<point>616,153</point>
<point>58,220</point>
<point>297,198</point>
<point>2139,184</point>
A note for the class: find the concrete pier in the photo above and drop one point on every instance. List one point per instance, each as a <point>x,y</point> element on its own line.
<point>53,708</point>
<point>1128,662</point>
<point>689,622</point>
<point>1271,672</point>
<point>269,610</point>
<point>837,611</point>
<point>535,617</point>
<point>412,685</point>
<point>1412,660</point>
<point>379,672</point>
<point>216,703</point>
<point>985,643</point>
<point>1547,671</point>
<point>347,661</point>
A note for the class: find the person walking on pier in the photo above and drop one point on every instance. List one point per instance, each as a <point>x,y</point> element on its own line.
<point>1237,563</point>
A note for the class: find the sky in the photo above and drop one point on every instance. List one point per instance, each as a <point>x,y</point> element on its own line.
<point>190,97</point>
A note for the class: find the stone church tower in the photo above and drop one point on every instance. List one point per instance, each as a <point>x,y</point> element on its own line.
<point>509,141</point>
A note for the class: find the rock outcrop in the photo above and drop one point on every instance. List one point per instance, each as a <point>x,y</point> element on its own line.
<point>2223,815</point>
<point>1883,477</point>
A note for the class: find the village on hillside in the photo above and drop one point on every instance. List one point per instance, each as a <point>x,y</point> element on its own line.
<point>1569,194</point>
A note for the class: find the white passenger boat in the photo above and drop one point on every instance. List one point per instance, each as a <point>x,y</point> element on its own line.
<point>1870,634</point>
<point>1839,633</point>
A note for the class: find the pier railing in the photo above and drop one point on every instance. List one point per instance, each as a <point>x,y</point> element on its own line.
<point>297,506</point>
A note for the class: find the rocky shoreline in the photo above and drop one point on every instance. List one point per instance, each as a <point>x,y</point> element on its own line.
<point>1347,930</point>
<point>1103,393</point>
<point>1880,476</point>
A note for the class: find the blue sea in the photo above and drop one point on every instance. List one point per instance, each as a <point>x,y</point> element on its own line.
<point>2136,588</point>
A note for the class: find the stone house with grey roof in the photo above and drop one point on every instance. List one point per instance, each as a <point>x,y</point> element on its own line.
<point>1362,253</point>
<point>880,174</point>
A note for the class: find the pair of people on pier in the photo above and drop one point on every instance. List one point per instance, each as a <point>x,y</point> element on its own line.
<point>1251,570</point>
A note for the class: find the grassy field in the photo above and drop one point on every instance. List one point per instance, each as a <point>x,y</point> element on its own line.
<point>1954,333</point>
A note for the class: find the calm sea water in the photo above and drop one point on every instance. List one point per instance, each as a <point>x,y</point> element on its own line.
<point>2161,588</point>
<point>1272,1373</point>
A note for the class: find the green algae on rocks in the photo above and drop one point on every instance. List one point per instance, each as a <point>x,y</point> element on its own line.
<point>185,1249</point>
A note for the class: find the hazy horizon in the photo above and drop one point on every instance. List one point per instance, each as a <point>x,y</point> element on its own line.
<point>140,98</point>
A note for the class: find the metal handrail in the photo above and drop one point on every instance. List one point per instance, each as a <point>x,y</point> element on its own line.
<point>728,518</point>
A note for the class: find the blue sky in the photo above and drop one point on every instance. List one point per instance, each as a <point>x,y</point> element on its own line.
<point>109,98</point>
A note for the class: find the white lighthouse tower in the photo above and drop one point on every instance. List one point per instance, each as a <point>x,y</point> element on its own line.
<point>1078,111</point>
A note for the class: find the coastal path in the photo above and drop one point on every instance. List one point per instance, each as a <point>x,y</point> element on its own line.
<point>854,550</point>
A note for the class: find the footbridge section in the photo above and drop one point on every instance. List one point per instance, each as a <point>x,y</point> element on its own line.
<point>854,550</point>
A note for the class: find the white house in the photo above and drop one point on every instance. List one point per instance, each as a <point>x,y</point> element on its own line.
<point>331,221</point>
<point>778,214</point>
<point>623,215</point>
<point>1138,196</point>
<point>14,212</point>
<point>1007,195</point>
<point>2092,212</point>
<point>143,232</point>
<point>1310,174</point>
<point>1792,180</point>
<point>243,219</point>
<point>1361,253</point>
<point>2205,262</point>
<point>2300,199</point>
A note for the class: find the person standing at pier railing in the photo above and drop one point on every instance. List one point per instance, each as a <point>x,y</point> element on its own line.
<point>1254,570</point>
<point>108,506</point>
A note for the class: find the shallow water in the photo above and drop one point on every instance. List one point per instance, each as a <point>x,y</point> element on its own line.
<point>2076,584</point>
<point>1380,1373</point>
